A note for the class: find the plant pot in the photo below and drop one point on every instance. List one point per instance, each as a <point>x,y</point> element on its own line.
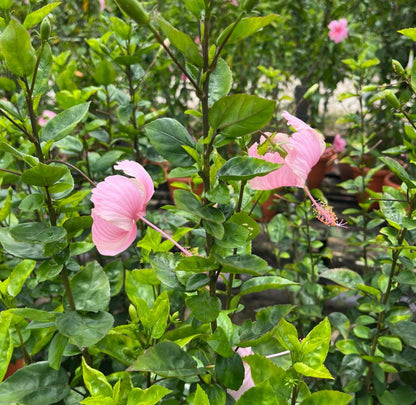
<point>324,165</point>
<point>268,209</point>
<point>345,171</point>
<point>13,367</point>
<point>392,180</point>
<point>376,183</point>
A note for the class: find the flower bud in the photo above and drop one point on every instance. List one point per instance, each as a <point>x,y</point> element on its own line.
<point>397,67</point>
<point>392,99</point>
<point>247,5</point>
<point>45,29</point>
<point>134,10</point>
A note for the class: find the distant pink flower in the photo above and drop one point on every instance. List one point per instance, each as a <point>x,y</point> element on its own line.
<point>338,30</point>
<point>248,380</point>
<point>119,202</point>
<point>297,154</point>
<point>339,143</point>
<point>102,4</point>
<point>233,2</point>
<point>45,117</point>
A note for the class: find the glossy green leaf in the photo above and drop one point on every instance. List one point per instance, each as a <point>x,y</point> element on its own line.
<point>409,32</point>
<point>262,394</point>
<point>56,350</point>
<point>267,320</point>
<point>37,232</point>
<point>121,28</point>
<point>38,15</point>
<point>105,73</point>
<point>316,344</point>
<point>7,206</point>
<point>287,335</point>
<point>340,321</point>
<point>17,49</point>
<point>149,396</point>
<point>95,381</point>
<point>315,372</point>
<point>246,221</point>
<point>327,397</point>
<point>167,136</point>
<point>244,264</point>
<point>183,42</point>
<point>44,71</point>
<point>240,114</point>
<point>348,346</point>
<point>6,342</point>
<point>218,341</point>
<point>164,267</point>
<point>391,342</point>
<point>166,359</point>
<point>84,330</point>
<point>204,307</point>
<point>43,175</point>
<point>246,27</point>
<point>159,315</point>
<point>406,331</point>
<point>196,264</point>
<point>201,398</point>
<point>195,7</point>
<point>19,275</point>
<point>220,82</point>
<point>21,249</point>
<point>63,123</point>
<point>5,4</point>
<point>245,168</point>
<point>345,277</point>
<point>7,84</point>
<point>234,236</point>
<point>35,384</point>
<point>32,202</point>
<point>230,371</point>
<point>90,288</point>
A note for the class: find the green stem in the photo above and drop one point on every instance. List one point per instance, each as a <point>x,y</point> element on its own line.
<point>67,287</point>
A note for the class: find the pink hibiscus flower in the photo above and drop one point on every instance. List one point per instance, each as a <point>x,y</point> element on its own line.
<point>297,154</point>
<point>119,202</point>
<point>339,143</point>
<point>45,117</point>
<point>102,4</point>
<point>338,30</point>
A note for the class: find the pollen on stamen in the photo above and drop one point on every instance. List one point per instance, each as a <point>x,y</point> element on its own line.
<point>325,214</point>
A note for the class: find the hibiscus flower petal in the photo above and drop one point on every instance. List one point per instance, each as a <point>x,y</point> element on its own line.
<point>109,239</point>
<point>136,170</point>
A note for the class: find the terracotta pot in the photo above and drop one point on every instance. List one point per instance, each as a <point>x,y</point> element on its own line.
<point>391,180</point>
<point>345,171</point>
<point>376,183</point>
<point>268,209</point>
<point>324,165</point>
<point>13,367</point>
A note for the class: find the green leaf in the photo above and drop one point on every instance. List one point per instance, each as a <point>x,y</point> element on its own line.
<point>267,320</point>
<point>37,16</point>
<point>149,396</point>
<point>327,397</point>
<point>200,397</point>
<point>348,346</point>
<point>7,206</point>
<point>247,222</point>
<point>37,232</point>
<point>121,28</point>
<point>218,341</point>
<point>159,315</point>
<point>19,275</point>
<point>21,249</point>
<point>44,71</point>
<point>196,264</point>
<point>230,371</point>
<point>43,175</point>
<point>244,264</point>
<point>318,372</point>
<point>167,359</point>
<point>240,114</point>
<point>164,267</point>
<point>90,288</point>
<point>409,32</point>
<point>391,342</point>
<point>220,82</point>
<point>345,277</point>
<point>245,168</point>
<point>105,74</point>
<point>17,50</point>
<point>262,394</point>
<point>56,350</point>
<point>341,322</point>
<point>32,202</point>
<point>167,136</point>
<point>35,384</point>
<point>287,335</point>
<point>406,331</point>
<point>183,42</point>
<point>63,123</point>
<point>84,330</point>
<point>316,344</point>
<point>6,342</point>
<point>95,381</point>
<point>246,27</point>
<point>399,171</point>
<point>204,307</point>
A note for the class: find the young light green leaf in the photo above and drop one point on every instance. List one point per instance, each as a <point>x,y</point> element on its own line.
<point>220,82</point>
<point>95,381</point>
<point>17,50</point>
<point>149,396</point>
<point>327,397</point>
<point>19,275</point>
<point>38,15</point>
<point>345,277</point>
<point>6,342</point>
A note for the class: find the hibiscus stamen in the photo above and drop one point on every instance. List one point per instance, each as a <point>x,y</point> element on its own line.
<point>324,213</point>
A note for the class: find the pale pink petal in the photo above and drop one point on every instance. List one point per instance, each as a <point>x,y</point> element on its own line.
<point>339,143</point>
<point>343,22</point>
<point>295,122</point>
<point>109,239</point>
<point>248,380</point>
<point>102,5</point>
<point>136,170</point>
